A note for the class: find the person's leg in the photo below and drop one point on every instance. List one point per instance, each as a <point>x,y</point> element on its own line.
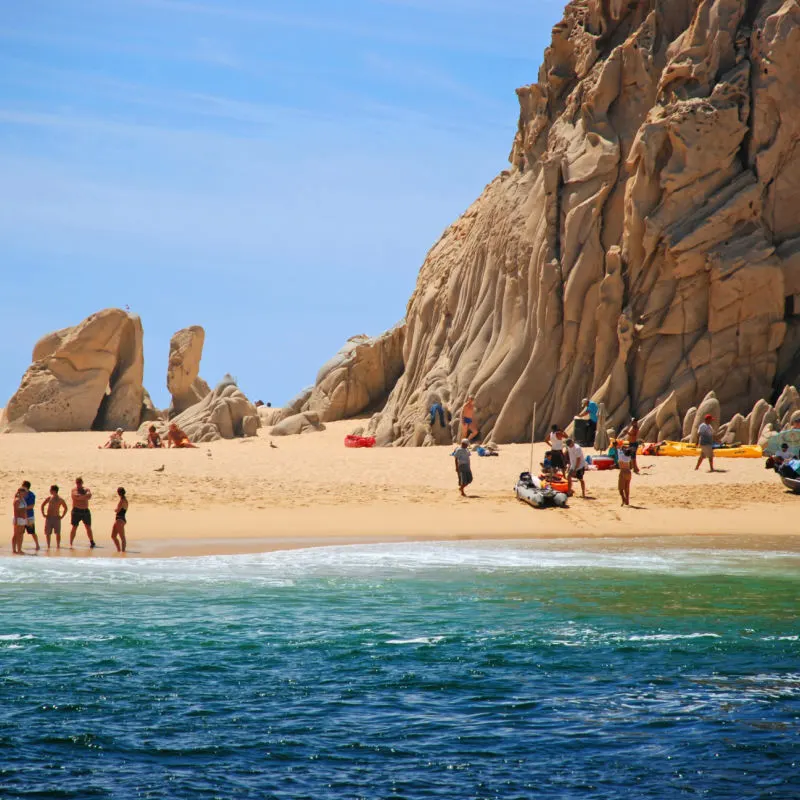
<point>73,532</point>
<point>48,532</point>
<point>115,535</point>
<point>699,462</point>
<point>88,526</point>
<point>569,483</point>
<point>123,540</point>
<point>621,486</point>
<point>627,488</point>
<point>583,487</point>
<point>711,462</point>
<point>441,417</point>
<point>35,538</point>
<point>58,534</point>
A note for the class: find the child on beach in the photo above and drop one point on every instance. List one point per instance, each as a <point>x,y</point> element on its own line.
<point>118,529</point>
<point>54,509</point>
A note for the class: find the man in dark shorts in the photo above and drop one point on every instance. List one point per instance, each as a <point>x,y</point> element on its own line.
<point>556,439</point>
<point>30,499</point>
<point>80,511</point>
<point>462,456</point>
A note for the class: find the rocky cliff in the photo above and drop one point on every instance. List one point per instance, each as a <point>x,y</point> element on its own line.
<point>644,245</point>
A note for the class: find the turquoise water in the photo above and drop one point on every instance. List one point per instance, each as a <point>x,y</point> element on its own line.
<point>496,670</point>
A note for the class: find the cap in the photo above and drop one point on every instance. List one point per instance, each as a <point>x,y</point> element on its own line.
<point>708,417</point>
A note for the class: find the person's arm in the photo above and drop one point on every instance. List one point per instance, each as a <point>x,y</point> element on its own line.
<point>44,503</point>
<point>63,508</point>
<point>88,494</point>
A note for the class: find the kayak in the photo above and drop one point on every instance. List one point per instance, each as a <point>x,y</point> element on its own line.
<point>359,441</point>
<point>678,449</point>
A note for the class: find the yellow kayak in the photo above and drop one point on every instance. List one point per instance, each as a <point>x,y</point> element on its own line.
<point>686,449</point>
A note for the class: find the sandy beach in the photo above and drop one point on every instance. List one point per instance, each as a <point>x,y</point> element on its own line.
<point>245,496</point>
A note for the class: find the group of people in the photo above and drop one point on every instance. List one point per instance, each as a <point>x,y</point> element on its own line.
<point>54,508</point>
<point>175,438</point>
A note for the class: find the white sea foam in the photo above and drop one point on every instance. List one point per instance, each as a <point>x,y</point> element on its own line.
<point>417,640</point>
<point>380,561</point>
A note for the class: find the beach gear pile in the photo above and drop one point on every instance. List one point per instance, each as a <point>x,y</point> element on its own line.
<point>541,493</point>
<point>359,441</point>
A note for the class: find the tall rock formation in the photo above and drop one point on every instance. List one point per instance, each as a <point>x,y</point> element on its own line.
<point>644,247</point>
<point>83,378</point>
<point>183,369</point>
<point>358,377</point>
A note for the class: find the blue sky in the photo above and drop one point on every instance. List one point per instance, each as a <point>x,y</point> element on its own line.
<point>273,171</point>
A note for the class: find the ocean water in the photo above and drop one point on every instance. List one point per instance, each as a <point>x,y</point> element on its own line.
<point>489,670</point>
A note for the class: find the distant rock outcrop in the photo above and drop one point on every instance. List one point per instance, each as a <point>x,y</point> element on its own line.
<point>225,413</point>
<point>84,378</point>
<point>644,247</point>
<point>305,422</point>
<point>183,370</point>
<point>359,376</point>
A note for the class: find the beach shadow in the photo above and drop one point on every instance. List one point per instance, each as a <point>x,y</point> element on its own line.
<point>721,471</point>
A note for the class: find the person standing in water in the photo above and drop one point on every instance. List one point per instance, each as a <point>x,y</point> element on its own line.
<point>54,509</point>
<point>80,512</point>
<point>30,512</point>
<point>625,475</point>
<point>462,456</point>
<point>118,530</point>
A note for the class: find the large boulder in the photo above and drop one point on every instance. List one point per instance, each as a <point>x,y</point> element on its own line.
<point>360,376</point>
<point>183,369</point>
<point>645,240</point>
<point>224,413</point>
<point>305,422</point>
<point>84,378</point>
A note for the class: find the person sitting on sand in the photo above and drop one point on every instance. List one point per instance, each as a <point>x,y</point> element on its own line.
<point>20,517</point>
<point>468,431</point>
<point>625,476</point>
<point>153,438</point>
<point>118,529</point>
<point>577,466</point>
<point>462,456</point>
<point>114,442</point>
<point>54,509</point>
<point>177,438</point>
<point>705,439</point>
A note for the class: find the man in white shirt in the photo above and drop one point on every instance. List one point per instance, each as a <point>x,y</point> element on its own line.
<point>555,440</point>
<point>577,466</point>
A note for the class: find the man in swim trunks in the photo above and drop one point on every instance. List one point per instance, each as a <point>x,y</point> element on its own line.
<point>462,456</point>
<point>81,495</point>
<point>30,499</point>
<point>577,466</point>
<point>54,509</point>
<point>468,431</point>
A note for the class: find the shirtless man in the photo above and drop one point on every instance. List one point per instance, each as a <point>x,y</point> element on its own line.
<point>467,417</point>
<point>54,509</point>
<point>80,511</point>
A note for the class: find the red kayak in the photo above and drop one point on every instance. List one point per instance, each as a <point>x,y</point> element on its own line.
<point>359,441</point>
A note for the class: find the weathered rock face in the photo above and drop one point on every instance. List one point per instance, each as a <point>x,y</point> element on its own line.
<point>359,376</point>
<point>305,422</point>
<point>183,370</point>
<point>645,242</point>
<point>83,378</point>
<point>225,413</point>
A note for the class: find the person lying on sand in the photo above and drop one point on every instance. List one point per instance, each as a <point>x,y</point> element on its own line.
<point>177,438</point>
<point>114,442</point>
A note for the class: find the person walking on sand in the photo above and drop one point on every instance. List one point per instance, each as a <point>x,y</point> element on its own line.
<point>462,456</point>
<point>118,529</point>
<point>625,476</point>
<point>81,495</point>
<point>555,441</point>
<point>577,466</point>
<point>20,518</point>
<point>467,416</point>
<point>30,512</point>
<point>54,509</point>
<point>705,439</point>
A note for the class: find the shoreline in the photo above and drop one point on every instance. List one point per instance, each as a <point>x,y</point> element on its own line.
<point>256,495</point>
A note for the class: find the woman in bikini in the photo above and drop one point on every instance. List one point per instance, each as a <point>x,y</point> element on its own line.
<point>624,483</point>
<point>20,520</point>
<point>177,438</point>
<point>118,531</point>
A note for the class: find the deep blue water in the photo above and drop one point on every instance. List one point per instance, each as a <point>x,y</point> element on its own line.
<point>497,670</point>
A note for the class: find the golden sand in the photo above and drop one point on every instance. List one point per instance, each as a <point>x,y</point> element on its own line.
<point>247,496</point>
